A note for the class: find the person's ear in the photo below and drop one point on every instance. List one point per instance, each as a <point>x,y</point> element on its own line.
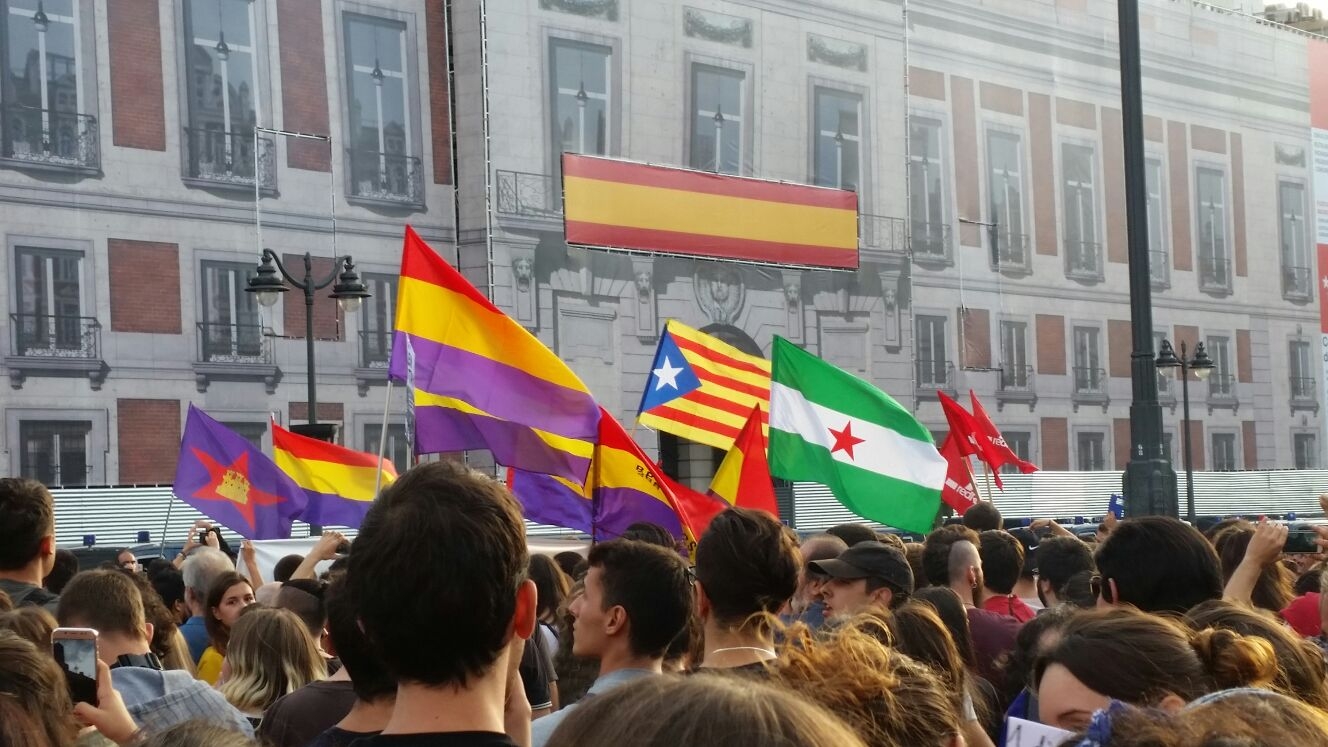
<point>148,630</point>
<point>47,545</point>
<point>882,596</point>
<point>615,620</point>
<point>527,598</point>
<point>1172,703</point>
<point>1115,593</point>
<point>702,601</point>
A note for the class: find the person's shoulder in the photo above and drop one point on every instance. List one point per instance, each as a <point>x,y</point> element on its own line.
<point>441,739</point>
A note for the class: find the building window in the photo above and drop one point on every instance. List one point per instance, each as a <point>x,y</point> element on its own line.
<point>1016,373</point>
<point>838,156</point>
<point>1301,371</point>
<point>1221,383</point>
<point>1210,205</point>
<point>926,175</point>
<point>223,104</point>
<point>48,290</point>
<point>1089,377</point>
<point>249,430</point>
<point>1158,260</point>
<point>1224,452</point>
<point>1296,271</point>
<point>580,92</point>
<point>934,368</point>
<point>1083,250</point>
<point>1021,443</point>
<point>398,447</point>
<point>43,99</point>
<point>1005,191</point>
<point>1306,448</point>
<point>231,331</point>
<point>55,452</point>
<point>377,320</point>
<point>1090,450</point>
<point>383,164</point>
<point>717,119</point>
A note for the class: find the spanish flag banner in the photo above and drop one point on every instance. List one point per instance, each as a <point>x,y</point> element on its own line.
<point>624,205</point>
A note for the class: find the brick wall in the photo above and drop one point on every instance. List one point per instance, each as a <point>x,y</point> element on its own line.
<point>1120,437</point>
<point>1250,444</point>
<point>1120,342</point>
<point>1055,444</point>
<point>149,439</point>
<point>304,82</point>
<point>1178,183</point>
<point>326,311</point>
<point>1244,359</point>
<point>138,114</point>
<point>966,152</point>
<point>435,23</point>
<point>1197,447</point>
<point>1188,335</point>
<point>1044,174</point>
<point>926,83</point>
<point>1113,185</point>
<point>328,412</point>
<point>145,286</point>
<point>1002,99</point>
<point>1050,344</point>
<point>1238,243</point>
<point>975,338</point>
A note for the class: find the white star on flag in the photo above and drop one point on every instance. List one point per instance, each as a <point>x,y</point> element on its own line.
<point>666,375</point>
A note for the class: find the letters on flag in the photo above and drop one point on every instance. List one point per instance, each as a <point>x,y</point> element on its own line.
<point>702,388</point>
<point>959,492</point>
<point>222,475</point>
<point>968,436</point>
<point>339,484</point>
<point>1000,451</point>
<point>481,380</point>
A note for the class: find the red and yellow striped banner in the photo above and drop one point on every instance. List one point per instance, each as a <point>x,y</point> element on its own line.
<point>626,205</point>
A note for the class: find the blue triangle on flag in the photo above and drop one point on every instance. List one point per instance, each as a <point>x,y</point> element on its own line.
<point>671,376</point>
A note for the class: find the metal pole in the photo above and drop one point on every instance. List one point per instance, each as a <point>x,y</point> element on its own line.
<point>1185,437</point>
<point>1149,481</point>
<point>308,287</point>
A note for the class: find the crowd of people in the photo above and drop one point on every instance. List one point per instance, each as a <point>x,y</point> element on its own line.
<point>437,626</point>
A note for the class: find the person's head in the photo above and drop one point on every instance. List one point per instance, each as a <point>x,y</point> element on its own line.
<point>1035,637</point>
<point>1273,589</point>
<point>1157,564</point>
<point>442,515</point>
<point>645,531</point>
<point>369,678</point>
<point>18,727</point>
<point>1002,560</point>
<point>127,560</point>
<point>169,585</point>
<point>702,709</point>
<point>27,535</point>
<point>569,561</point>
<point>1029,541</point>
<point>865,575</point>
<point>162,623</point>
<point>914,552</point>
<point>852,534</point>
<point>286,567</point>
<point>551,585</point>
<point>815,547</point>
<point>30,677</point>
<point>1124,654</point>
<point>886,697</point>
<point>637,599</point>
<point>746,564</point>
<point>109,602</point>
<point>63,569</point>
<point>983,517</point>
<point>30,622</point>
<point>1244,718</point>
<point>200,570</point>
<point>270,654</point>
<point>1300,670</point>
<point>227,598</point>
<point>1308,581</point>
<point>304,597</point>
<point>196,733</point>
<point>1059,559</point>
<point>950,609</point>
<point>950,558</point>
<point>918,632</point>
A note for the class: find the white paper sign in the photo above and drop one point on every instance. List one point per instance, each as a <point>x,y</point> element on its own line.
<point>1021,733</point>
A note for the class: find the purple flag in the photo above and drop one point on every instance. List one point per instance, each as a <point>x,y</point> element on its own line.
<point>231,482</point>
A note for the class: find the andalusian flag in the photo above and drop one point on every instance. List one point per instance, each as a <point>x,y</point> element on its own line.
<point>831,427</point>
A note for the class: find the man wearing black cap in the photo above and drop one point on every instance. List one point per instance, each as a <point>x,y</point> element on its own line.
<point>866,574</point>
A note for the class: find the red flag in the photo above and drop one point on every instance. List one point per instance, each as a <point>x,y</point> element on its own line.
<point>970,437</point>
<point>695,509</point>
<point>999,451</point>
<point>959,492</point>
<point>743,479</point>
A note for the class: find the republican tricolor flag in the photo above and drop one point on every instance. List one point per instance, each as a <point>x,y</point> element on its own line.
<point>339,484</point>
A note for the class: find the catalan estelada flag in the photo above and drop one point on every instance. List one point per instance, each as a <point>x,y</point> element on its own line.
<point>222,475</point>
<point>481,380</point>
<point>743,478</point>
<point>340,484</point>
<point>628,205</point>
<point>702,388</point>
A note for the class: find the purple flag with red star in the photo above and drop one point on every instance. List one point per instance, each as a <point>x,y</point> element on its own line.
<point>222,475</point>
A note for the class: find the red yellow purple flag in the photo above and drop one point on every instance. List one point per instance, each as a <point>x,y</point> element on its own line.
<point>340,484</point>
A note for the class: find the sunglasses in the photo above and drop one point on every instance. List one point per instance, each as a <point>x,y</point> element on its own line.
<point>1100,588</point>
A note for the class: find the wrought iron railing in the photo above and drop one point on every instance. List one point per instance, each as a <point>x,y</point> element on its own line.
<point>935,374</point>
<point>228,157</point>
<point>1158,267</point>
<point>1221,386</point>
<point>931,241</point>
<point>233,343</point>
<point>1296,281</point>
<point>43,336</point>
<point>389,177</point>
<point>1011,250</point>
<point>1304,388</point>
<point>1214,271</point>
<point>1083,258</point>
<point>46,136</point>
<point>1089,380</point>
<point>375,348</point>
<point>528,195</point>
<point>882,233</point>
<point>1015,379</point>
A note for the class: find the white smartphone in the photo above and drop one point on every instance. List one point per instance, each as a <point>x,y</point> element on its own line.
<point>75,650</point>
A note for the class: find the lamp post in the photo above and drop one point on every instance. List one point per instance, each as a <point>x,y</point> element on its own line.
<point>348,291</point>
<point>1202,366</point>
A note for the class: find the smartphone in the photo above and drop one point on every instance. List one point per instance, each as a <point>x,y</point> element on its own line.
<point>1301,541</point>
<point>75,650</point>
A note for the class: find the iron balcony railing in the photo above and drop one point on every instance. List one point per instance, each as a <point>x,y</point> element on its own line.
<point>931,241</point>
<point>233,343</point>
<point>1214,271</point>
<point>1011,250</point>
<point>43,336</point>
<point>1304,388</point>
<point>50,137</point>
<point>1296,281</point>
<point>388,177</point>
<point>526,195</point>
<point>935,374</point>
<point>1083,259</point>
<point>228,157</point>
<point>882,233</point>
<point>1221,386</point>
<point>1016,378</point>
<point>1089,380</point>
<point>375,348</point>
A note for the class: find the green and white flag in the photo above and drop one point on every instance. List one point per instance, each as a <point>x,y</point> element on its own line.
<point>831,427</point>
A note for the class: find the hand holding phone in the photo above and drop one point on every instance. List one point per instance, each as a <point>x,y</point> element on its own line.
<point>75,650</point>
<point>1301,541</point>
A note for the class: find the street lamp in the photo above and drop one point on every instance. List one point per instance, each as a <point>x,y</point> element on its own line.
<point>1202,366</point>
<point>349,292</point>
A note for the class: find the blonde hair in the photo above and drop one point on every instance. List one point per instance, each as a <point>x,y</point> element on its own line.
<point>270,654</point>
<point>32,623</point>
<point>177,654</point>
<point>1248,718</point>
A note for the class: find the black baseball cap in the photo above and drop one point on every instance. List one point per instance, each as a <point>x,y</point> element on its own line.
<point>869,560</point>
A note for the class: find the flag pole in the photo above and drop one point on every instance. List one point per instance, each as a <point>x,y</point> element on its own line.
<point>382,437</point>
<point>167,526</point>
<point>986,477</point>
